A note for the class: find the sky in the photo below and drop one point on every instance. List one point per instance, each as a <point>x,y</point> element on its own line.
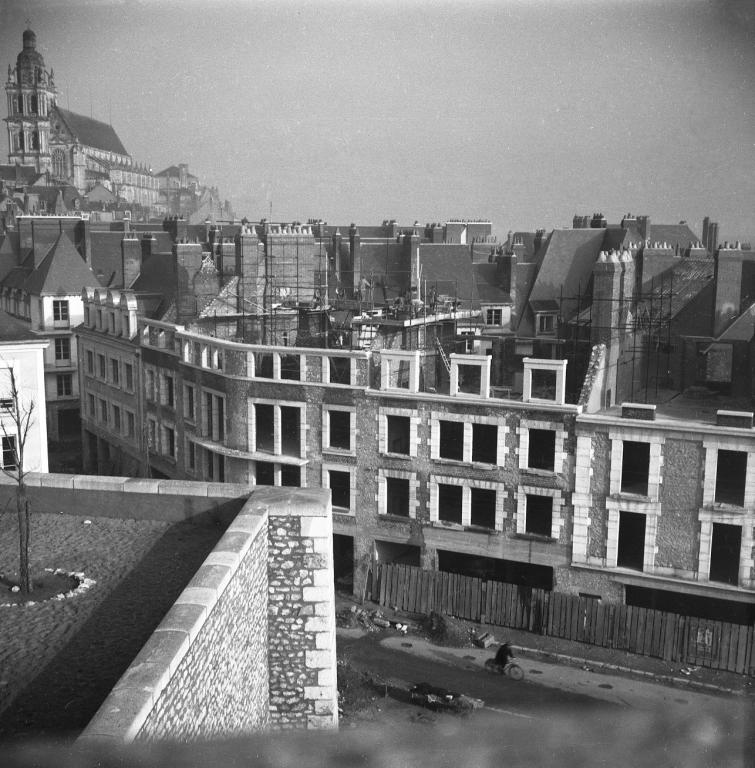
<point>520,112</point>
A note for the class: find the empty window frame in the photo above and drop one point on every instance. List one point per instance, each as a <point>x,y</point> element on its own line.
<point>731,473</point>
<point>451,444</point>
<point>290,367</point>
<point>339,370</point>
<point>169,442</point>
<point>397,496</point>
<point>398,434</point>
<point>450,503</point>
<point>263,365</point>
<point>543,385</point>
<point>129,374</point>
<point>485,443</point>
<point>101,366</point>
<point>470,379</point>
<point>337,430</point>
<point>541,452</point>
<point>339,482</point>
<point>290,476</point>
<point>290,417</point>
<point>539,515</point>
<point>264,428</point>
<point>90,362</point>
<point>631,545</point>
<point>725,547</point>
<point>482,507</point>
<point>635,467</point>
<point>214,466</point>
<point>168,391</point>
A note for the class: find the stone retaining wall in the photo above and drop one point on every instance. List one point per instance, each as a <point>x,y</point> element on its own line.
<point>231,643</point>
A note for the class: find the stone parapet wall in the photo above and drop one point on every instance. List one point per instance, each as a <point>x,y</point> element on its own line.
<point>129,497</point>
<point>250,643</point>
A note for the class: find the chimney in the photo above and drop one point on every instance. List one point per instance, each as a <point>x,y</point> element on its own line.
<point>643,225</point>
<point>188,261</point>
<point>148,245</point>
<point>131,259</point>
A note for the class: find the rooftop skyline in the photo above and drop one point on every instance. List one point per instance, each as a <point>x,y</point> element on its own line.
<point>521,113</point>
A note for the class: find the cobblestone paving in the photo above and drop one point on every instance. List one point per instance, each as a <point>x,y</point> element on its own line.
<point>60,659</point>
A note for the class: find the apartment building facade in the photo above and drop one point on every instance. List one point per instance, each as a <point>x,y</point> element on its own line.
<point>457,480</point>
<point>664,508</point>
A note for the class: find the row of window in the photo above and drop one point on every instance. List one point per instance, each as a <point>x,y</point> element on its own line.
<point>116,323</point>
<point>109,370</point>
<point>637,477</point>
<point>116,418</point>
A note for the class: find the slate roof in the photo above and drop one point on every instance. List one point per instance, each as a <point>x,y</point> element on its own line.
<point>568,259</point>
<point>61,272</point>
<point>675,287</point>
<point>90,132</point>
<point>22,175</point>
<point>489,290</point>
<point>12,329</point>
<point>174,170</point>
<point>448,269</point>
<point>742,329</point>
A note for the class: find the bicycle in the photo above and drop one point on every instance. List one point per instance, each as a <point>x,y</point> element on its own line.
<point>510,669</point>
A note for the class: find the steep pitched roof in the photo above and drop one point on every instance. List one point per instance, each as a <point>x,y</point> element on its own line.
<point>61,272</point>
<point>674,288</point>
<point>567,263</point>
<point>489,289</point>
<point>20,175</point>
<point>12,329</point>
<point>90,132</point>
<point>742,329</point>
<point>448,269</point>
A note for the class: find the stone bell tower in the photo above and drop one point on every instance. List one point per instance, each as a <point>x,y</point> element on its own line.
<point>31,93</point>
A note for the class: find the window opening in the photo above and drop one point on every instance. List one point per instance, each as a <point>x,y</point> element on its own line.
<point>730,477</point>
<point>631,550</point>
<point>542,449</point>
<point>482,507</point>
<point>397,496</point>
<point>539,516</point>
<point>724,553</point>
<point>485,443</point>
<point>451,440</point>
<point>635,467</point>
<point>450,503</point>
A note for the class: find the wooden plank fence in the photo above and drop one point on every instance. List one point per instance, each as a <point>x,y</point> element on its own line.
<point>680,639</point>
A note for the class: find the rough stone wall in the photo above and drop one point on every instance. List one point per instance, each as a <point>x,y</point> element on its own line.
<point>601,475</point>
<point>301,619</point>
<point>677,538</point>
<point>575,581</point>
<point>221,685</point>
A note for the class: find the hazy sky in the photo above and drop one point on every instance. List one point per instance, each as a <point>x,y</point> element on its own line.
<point>521,112</point>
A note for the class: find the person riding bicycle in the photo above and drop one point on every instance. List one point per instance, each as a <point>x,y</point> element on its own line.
<point>504,655</point>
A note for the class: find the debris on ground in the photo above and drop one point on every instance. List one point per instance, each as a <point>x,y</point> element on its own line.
<point>442,700</point>
<point>446,630</point>
<point>485,640</point>
<point>373,621</point>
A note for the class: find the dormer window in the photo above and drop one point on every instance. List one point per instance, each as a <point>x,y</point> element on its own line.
<point>546,324</point>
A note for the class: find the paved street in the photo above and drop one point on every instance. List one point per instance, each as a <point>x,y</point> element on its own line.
<point>547,687</point>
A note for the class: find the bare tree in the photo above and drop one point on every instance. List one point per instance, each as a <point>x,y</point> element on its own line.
<point>12,464</point>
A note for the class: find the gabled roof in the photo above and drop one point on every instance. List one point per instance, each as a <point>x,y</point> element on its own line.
<point>174,170</point>
<point>90,132</point>
<point>61,272</point>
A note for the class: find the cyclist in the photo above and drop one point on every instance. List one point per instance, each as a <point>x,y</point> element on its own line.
<point>504,655</point>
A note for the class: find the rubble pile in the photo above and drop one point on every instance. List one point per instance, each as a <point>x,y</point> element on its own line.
<point>446,630</point>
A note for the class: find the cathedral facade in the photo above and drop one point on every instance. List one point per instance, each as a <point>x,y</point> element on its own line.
<point>69,148</point>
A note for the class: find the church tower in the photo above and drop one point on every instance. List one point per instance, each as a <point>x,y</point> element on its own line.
<point>31,96</point>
